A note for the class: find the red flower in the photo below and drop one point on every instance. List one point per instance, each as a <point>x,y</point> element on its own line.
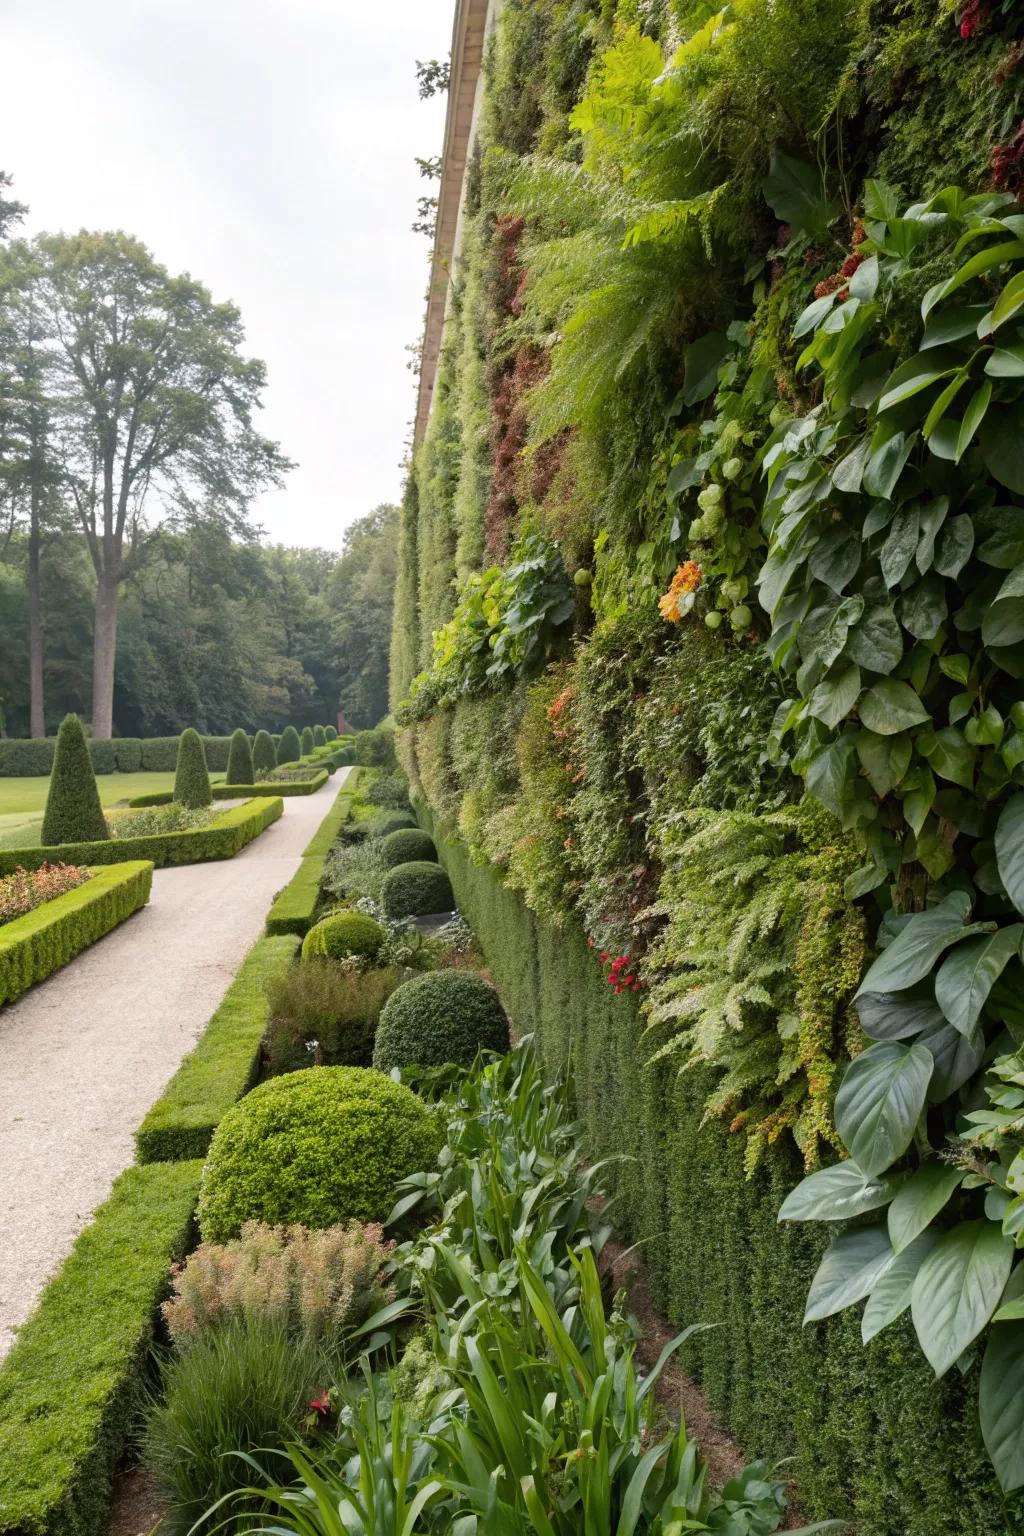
<point>322,1404</point>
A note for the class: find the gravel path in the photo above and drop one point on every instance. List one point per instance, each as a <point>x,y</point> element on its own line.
<point>85,1054</point>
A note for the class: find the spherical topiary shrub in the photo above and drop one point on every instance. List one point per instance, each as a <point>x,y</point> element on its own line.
<point>73,812</point>
<point>306,741</point>
<point>317,1147</point>
<point>439,1017</point>
<point>412,890</point>
<point>408,845</point>
<point>289,749</point>
<point>240,763</point>
<point>319,736</point>
<point>191,778</point>
<point>331,732</point>
<point>341,934</point>
<point>264,753</point>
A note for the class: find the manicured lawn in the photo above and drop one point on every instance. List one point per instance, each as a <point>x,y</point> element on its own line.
<point>22,801</point>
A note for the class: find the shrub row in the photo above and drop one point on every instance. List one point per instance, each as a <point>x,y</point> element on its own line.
<point>222,838</point>
<point>238,792</point>
<point>221,1067</point>
<point>69,1388</point>
<point>34,946</point>
<point>295,907</point>
<point>874,1436</point>
<point>32,757</point>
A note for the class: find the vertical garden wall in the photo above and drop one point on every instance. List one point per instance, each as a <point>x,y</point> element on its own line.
<point>707,660</point>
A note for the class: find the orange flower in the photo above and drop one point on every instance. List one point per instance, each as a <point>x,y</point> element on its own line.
<point>685,581</point>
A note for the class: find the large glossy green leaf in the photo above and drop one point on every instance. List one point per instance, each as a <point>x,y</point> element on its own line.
<point>924,609</point>
<point>1009,302</point>
<point>849,1271</point>
<point>1005,363</point>
<point>951,323</point>
<point>876,640</point>
<point>1010,849</point>
<point>837,1194</point>
<point>957,1058</point>
<point>916,948</point>
<point>958,1288</point>
<point>835,695</point>
<point>794,192</point>
<point>896,1015</point>
<point>880,1101</point>
<point>954,545</point>
<point>970,971</point>
<point>885,760</point>
<point>1004,548</point>
<point>949,755</point>
<point>886,461</point>
<point>1001,1403</point>
<point>900,544</point>
<point>1002,448</point>
<point>828,775</point>
<point>984,261</point>
<point>917,373</point>
<point>891,1296</point>
<point>919,1200</point>
<point>974,415</point>
<point>701,363</point>
<point>890,706</point>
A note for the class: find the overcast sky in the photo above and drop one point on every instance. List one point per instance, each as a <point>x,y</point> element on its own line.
<point>267,147</point>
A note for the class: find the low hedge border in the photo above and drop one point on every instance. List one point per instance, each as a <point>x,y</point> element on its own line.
<point>222,1067</point>
<point>238,792</point>
<point>295,907</point>
<point>69,1387</point>
<point>225,836</point>
<point>34,946</point>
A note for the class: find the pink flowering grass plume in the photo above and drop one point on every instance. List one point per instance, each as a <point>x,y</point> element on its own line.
<point>321,1285</point>
<point>27,889</point>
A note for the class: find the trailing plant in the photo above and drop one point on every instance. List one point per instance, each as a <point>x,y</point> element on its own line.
<point>755,969</point>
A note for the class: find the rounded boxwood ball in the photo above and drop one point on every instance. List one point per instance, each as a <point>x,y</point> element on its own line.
<point>407,846</point>
<point>317,1147</point>
<point>439,1017</point>
<point>413,890</point>
<point>344,933</point>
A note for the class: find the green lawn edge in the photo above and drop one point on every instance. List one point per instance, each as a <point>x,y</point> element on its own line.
<point>221,1067</point>
<point>33,947</point>
<point>239,791</point>
<point>69,1387</point>
<point>222,838</point>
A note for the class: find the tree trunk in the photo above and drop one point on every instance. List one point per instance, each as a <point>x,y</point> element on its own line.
<point>103,656</point>
<point>37,717</point>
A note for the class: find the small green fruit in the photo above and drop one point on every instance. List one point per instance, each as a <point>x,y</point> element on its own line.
<point>741,617</point>
<point>713,620</point>
<point>583,577</point>
<point>732,468</point>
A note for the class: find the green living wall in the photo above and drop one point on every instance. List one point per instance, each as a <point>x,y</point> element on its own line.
<point>708,650</point>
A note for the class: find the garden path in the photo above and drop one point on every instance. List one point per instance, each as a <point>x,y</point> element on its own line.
<point>84,1054</point>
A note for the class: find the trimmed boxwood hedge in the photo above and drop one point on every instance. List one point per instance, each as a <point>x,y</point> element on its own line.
<point>69,1388</point>
<point>73,812</point>
<point>237,792</point>
<point>416,889</point>
<point>221,1067</point>
<point>343,934</point>
<point>873,1436</point>
<point>408,845</point>
<point>442,1016</point>
<point>318,1146</point>
<point>32,757</point>
<point>295,907</point>
<point>34,946</point>
<point>221,838</point>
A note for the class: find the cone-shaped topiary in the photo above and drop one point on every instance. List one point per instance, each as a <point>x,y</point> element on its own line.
<point>406,845</point>
<point>317,1147</point>
<point>319,736</point>
<point>330,732</point>
<point>73,811</point>
<point>264,753</point>
<point>191,778</point>
<point>288,750</point>
<point>344,933</point>
<point>440,1017</point>
<point>240,764</point>
<point>416,889</point>
<point>306,741</point>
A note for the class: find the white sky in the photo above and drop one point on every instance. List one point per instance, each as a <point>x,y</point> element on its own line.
<point>266,146</point>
